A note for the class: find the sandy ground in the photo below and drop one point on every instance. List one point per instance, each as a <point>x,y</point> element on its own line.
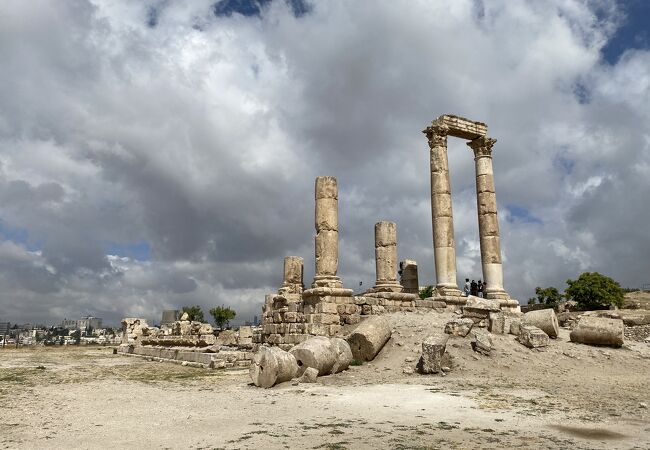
<point>569,396</point>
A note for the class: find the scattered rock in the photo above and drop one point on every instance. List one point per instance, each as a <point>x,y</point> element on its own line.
<point>459,327</point>
<point>309,375</point>
<point>481,342</point>
<point>433,348</point>
<point>643,405</point>
<point>532,337</point>
<point>408,370</point>
<point>496,323</point>
<point>515,327</point>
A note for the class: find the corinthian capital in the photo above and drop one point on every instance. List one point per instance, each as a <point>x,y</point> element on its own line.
<point>482,146</point>
<point>436,134</point>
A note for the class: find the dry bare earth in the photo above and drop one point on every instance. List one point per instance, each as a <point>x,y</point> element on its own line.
<point>570,396</point>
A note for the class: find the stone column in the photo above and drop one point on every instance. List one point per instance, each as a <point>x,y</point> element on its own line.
<point>386,257</point>
<point>444,249</point>
<point>292,282</point>
<point>327,234</point>
<point>409,276</point>
<point>488,225</point>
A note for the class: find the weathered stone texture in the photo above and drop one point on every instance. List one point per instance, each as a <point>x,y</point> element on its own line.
<point>532,337</point>
<point>433,348</point>
<point>599,331</point>
<point>459,327</point>
<point>369,337</point>
<point>545,320</point>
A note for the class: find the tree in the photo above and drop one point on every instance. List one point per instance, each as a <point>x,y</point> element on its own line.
<point>223,315</point>
<point>195,313</point>
<point>426,292</point>
<point>594,291</point>
<point>549,296</point>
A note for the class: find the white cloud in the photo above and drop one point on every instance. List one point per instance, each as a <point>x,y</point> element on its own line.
<point>202,137</point>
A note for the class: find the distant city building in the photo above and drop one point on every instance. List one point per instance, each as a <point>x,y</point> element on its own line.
<point>82,324</point>
<point>4,328</point>
<point>170,316</point>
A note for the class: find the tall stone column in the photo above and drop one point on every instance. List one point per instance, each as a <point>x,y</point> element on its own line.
<point>327,234</point>
<point>292,282</point>
<point>488,224</point>
<point>444,249</point>
<point>386,257</point>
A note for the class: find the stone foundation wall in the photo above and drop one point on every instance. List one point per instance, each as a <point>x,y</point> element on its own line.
<point>217,358</point>
<point>287,323</point>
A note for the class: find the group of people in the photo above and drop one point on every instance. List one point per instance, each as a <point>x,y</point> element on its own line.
<point>474,288</point>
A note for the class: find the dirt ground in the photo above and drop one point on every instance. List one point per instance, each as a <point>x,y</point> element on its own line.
<point>569,396</point>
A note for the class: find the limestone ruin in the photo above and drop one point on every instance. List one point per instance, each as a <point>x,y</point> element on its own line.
<point>293,314</point>
<point>442,215</point>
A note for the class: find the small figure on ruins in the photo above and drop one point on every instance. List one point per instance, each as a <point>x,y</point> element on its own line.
<point>473,289</point>
<point>479,290</point>
<point>466,290</point>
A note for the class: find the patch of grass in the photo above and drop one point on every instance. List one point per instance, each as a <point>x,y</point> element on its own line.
<point>356,362</point>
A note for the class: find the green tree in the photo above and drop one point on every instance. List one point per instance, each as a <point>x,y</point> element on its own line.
<point>592,290</point>
<point>549,296</point>
<point>426,292</point>
<point>222,315</point>
<point>195,313</point>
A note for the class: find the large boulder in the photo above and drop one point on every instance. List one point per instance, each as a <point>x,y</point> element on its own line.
<point>532,336</point>
<point>433,348</point>
<point>315,352</point>
<point>272,365</point>
<point>545,320</point>
<point>599,331</point>
<point>369,337</point>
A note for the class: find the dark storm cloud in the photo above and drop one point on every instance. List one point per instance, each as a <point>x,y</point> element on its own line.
<point>194,130</point>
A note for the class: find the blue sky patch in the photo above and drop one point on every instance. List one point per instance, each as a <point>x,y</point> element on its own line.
<point>18,236</point>
<point>566,164</point>
<point>251,8</point>
<point>137,250</point>
<point>520,214</point>
<point>634,32</point>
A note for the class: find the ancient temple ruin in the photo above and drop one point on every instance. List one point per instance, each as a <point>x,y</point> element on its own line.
<point>442,215</point>
<point>295,313</point>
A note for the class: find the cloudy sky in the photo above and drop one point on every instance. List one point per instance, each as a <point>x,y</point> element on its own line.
<point>162,153</point>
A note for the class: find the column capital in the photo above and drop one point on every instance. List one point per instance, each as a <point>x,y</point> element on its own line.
<point>482,146</point>
<point>436,134</point>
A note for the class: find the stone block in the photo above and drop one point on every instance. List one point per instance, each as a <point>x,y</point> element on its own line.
<point>353,319</point>
<point>496,323</point>
<point>459,327</point>
<point>433,347</point>
<point>326,308</point>
<point>481,342</point>
<point>533,337</point>
<point>290,317</point>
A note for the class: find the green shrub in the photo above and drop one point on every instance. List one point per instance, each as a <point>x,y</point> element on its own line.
<point>426,292</point>
<point>549,296</point>
<point>594,291</point>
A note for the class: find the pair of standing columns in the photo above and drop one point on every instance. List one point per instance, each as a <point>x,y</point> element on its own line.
<point>326,243</point>
<point>442,215</point>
